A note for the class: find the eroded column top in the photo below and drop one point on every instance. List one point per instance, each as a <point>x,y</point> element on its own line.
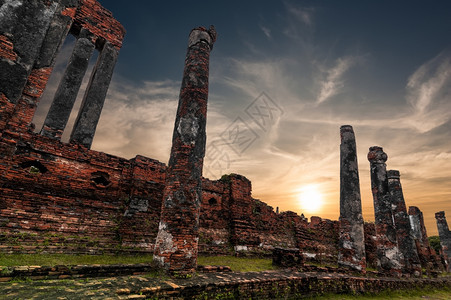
<point>393,174</point>
<point>440,214</point>
<point>202,35</point>
<point>377,155</point>
<point>413,210</point>
<point>346,128</point>
<point>346,132</point>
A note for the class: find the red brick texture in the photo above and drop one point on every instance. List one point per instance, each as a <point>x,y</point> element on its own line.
<point>99,21</point>
<point>37,82</point>
<point>7,49</point>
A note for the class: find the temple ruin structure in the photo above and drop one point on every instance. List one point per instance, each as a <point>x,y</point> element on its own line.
<point>351,236</point>
<point>58,197</point>
<point>178,232</point>
<point>389,257</point>
<point>411,263</point>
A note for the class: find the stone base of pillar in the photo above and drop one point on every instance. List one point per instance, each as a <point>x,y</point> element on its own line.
<point>351,248</point>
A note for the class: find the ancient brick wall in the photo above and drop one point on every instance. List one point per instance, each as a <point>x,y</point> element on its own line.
<point>59,197</point>
<point>63,191</point>
<point>231,220</point>
<point>51,188</point>
<point>214,234</point>
<point>318,240</point>
<point>255,226</point>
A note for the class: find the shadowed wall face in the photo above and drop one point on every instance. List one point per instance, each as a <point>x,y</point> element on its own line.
<point>176,245</point>
<point>351,241</point>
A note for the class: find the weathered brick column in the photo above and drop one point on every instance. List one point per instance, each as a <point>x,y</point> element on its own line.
<point>388,254</point>
<point>23,28</point>
<point>445,234</point>
<point>177,239</point>
<point>429,260</point>
<point>415,217</point>
<point>406,242</point>
<point>94,98</point>
<point>31,34</point>
<point>67,91</point>
<point>351,245</point>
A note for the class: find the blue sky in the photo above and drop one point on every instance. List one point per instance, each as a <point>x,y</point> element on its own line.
<point>383,67</point>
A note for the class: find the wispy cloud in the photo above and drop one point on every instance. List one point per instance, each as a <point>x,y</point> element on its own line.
<point>298,19</point>
<point>253,77</point>
<point>333,81</point>
<point>266,31</point>
<point>302,14</point>
<point>304,147</point>
<point>428,94</point>
<point>138,119</point>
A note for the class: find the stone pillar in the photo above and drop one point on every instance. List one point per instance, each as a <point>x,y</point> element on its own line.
<point>351,246</point>
<point>178,232</point>
<point>416,220</point>
<point>428,260</point>
<point>23,28</point>
<point>388,254</point>
<point>31,34</point>
<point>94,98</point>
<point>404,234</point>
<point>444,233</point>
<point>67,91</point>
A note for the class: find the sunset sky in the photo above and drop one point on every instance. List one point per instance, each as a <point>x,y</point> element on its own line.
<point>383,67</point>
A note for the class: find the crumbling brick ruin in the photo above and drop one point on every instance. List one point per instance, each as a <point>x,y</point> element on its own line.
<point>58,197</point>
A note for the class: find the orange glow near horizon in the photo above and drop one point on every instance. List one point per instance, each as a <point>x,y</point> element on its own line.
<point>310,198</point>
<point>323,200</point>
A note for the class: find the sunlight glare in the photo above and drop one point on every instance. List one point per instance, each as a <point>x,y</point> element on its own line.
<point>310,198</point>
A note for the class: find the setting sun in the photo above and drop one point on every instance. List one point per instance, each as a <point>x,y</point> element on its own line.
<point>310,198</point>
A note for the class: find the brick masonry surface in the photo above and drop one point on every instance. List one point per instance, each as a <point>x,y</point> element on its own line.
<point>282,284</point>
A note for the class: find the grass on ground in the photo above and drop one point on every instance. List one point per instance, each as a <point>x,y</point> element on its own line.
<point>10,260</point>
<point>238,264</point>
